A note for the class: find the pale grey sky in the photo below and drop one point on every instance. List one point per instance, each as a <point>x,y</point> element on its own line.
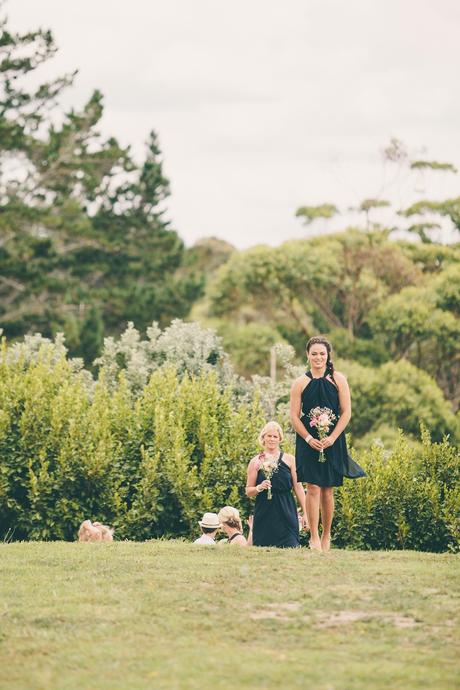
<point>262,106</point>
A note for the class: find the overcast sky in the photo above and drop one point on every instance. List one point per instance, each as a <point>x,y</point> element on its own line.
<point>265,105</point>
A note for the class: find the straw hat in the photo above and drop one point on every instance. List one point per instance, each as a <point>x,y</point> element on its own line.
<point>210,521</point>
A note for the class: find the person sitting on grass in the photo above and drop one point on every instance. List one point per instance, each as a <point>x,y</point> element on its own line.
<point>230,522</point>
<point>209,526</point>
<point>94,531</point>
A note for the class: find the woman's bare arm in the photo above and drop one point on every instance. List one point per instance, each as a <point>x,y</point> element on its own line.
<point>296,406</point>
<point>298,488</point>
<point>345,409</point>
<point>297,389</point>
<point>250,523</point>
<point>251,487</point>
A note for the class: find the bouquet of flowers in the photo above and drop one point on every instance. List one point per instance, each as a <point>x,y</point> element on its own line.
<point>269,466</point>
<point>321,418</point>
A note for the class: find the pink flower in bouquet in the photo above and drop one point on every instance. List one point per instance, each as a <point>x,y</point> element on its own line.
<point>322,418</point>
<point>268,465</point>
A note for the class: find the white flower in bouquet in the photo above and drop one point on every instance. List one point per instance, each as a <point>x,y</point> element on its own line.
<point>321,418</point>
<point>268,465</point>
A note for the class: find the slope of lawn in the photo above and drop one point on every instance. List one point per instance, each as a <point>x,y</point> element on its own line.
<point>168,615</point>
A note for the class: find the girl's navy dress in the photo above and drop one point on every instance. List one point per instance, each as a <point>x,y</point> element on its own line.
<point>321,392</point>
<point>275,520</point>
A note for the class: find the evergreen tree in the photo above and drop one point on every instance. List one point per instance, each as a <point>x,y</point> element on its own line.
<point>83,233</point>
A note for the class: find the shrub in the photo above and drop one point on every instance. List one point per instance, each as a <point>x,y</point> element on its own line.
<point>151,458</point>
<point>149,465</point>
<point>189,347</point>
<point>410,499</point>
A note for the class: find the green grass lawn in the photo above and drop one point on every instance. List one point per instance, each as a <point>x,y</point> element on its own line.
<point>173,615</point>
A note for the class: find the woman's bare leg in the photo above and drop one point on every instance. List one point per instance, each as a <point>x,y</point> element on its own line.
<point>327,514</point>
<point>313,500</point>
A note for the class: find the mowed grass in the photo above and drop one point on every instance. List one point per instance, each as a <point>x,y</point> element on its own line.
<point>173,615</point>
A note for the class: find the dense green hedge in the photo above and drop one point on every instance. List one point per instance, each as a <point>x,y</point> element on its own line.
<point>149,466</point>
<point>409,500</point>
<point>72,449</point>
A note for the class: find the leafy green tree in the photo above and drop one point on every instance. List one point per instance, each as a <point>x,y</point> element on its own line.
<point>82,228</point>
<point>141,252</point>
<point>90,334</point>
<point>325,283</point>
<point>367,205</point>
<point>206,256</point>
<point>449,208</point>
<point>399,395</point>
<point>433,165</point>
<point>433,258</point>
<point>423,230</point>
<point>249,346</point>
<point>311,213</point>
<point>423,325</point>
<point>23,110</point>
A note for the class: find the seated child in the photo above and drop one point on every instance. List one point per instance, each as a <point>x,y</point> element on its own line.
<point>94,532</point>
<point>209,526</point>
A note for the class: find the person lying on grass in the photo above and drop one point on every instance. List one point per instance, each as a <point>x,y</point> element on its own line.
<point>230,524</point>
<point>209,526</point>
<point>94,531</point>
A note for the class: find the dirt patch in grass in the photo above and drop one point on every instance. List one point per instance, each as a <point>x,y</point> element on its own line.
<point>279,611</point>
<point>338,618</point>
<point>266,614</point>
<point>402,621</point>
<point>286,611</point>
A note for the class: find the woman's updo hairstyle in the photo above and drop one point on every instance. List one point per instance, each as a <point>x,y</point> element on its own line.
<point>322,340</point>
<point>230,516</point>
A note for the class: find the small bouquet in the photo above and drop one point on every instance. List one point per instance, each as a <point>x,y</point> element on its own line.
<point>268,466</point>
<point>321,418</point>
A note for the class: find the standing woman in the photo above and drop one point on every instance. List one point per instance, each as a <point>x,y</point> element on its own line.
<point>275,521</point>
<point>321,386</point>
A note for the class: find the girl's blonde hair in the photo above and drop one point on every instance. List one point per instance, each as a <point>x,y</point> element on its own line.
<point>270,425</point>
<point>107,532</point>
<point>231,517</point>
<point>94,532</point>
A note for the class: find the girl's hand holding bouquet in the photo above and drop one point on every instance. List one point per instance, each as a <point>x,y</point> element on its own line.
<point>269,466</point>
<point>328,441</point>
<point>322,418</point>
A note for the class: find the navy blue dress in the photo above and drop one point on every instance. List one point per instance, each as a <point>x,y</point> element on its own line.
<point>321,392</point>
<point>275,520</point>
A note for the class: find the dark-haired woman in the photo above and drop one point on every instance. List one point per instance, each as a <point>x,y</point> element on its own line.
<point>321,386</point>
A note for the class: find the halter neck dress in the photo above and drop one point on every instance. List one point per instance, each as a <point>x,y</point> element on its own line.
<point>275,520</point>
<point>321,392</point>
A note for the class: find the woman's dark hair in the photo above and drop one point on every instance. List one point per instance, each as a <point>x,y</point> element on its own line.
<point>209,530</point>
<point>321,340</point>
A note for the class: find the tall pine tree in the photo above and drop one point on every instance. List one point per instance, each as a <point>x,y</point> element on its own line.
<point>84,244</point>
